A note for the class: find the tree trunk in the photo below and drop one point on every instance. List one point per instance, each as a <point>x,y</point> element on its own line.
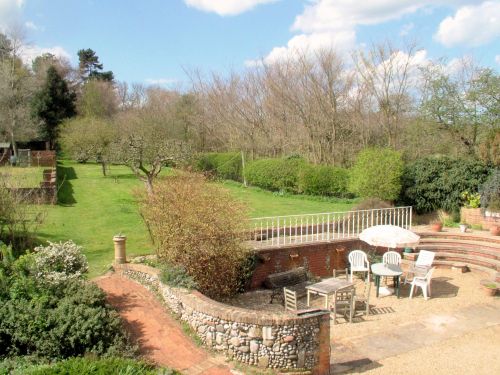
<point>103,165</point>
<point>149,184</point>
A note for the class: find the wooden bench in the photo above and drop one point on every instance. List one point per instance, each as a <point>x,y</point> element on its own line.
<point>295,280</point>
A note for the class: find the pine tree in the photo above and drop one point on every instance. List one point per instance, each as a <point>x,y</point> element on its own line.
<point>52,104</point>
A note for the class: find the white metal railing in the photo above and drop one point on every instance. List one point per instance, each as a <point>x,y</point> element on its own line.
<point>308,228</point>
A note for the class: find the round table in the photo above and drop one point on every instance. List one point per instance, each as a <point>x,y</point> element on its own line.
<point>387,270</point>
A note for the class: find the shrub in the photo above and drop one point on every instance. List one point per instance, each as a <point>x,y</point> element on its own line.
<point>490,192</point>
<point>372,203</point>
<point>94,366</point>
<point>437,182</point>
<point>324,180</point>
<point>61,261</point>
<point>200,227</point>
<point>176,276</point>
<point>377,174</point>
<point>275,174</point>
<point>225,165</point>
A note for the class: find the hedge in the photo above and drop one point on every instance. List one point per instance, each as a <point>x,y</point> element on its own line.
<point>224,165</point>
<point>275,174</point>
<point>324,180</point>
<point>437,182</point>
<point>377,174</point>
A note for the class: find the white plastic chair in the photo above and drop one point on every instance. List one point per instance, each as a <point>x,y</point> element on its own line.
<point>359,262</point>
<point>422,265</point>
<point>391,257</point>
<point>425,258</point>
<point>424,283</point>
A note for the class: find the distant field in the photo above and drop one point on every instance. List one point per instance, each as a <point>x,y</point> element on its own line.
<point>93,208</point>
<point>22,177</point>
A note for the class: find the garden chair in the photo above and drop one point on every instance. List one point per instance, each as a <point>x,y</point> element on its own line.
<point>424,283</point>
<point>343,303</point>
<point>364,297</point>
<point>391,257</point>
<point>359,263</point>
<point>341,273</point>
<point>421,266</point>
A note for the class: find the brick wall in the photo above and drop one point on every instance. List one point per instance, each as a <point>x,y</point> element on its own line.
<point>43,158</point>
<point>474,216</point>
<point>319,258</point>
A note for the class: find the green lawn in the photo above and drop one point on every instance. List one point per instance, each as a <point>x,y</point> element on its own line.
<point>93,208</point>
<point>22,177</point>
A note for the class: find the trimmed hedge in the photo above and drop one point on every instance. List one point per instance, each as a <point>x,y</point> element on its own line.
<point>377,174</point>
<point>224,165</point>
<point>324,180</point>
<point>275,174</point>
<point>434,183</point>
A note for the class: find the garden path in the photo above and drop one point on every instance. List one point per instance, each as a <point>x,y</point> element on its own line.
<point>159,336</point>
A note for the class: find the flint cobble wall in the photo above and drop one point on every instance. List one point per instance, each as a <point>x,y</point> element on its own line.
<point>266,340</point>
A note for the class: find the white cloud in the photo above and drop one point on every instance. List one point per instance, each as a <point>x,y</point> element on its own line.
<point>10,11</point>
<point>30,52</point>
<point>31,25</point>
<point>226,7</point>
<point>471,25</point>
<point>497,59</point>
<point>160,81</point>
<point>405,30</point>
<point>325,23</point>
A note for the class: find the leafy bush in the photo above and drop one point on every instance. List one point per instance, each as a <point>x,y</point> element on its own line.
<point>377,174</point>
<point>323,180</point>
<point>176,276</point>
<point>200,227</point>
<point>275,174</point>
<point>225,165</point>
<point>59,262</point>
<point>372,203</point>
<point>91,366</point>
<point>54,320</point>
<point>490,192</point>
<point>438,182</point>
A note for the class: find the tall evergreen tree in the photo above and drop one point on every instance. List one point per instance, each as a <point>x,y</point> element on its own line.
<point>52,104</point>
<point>90,67</point>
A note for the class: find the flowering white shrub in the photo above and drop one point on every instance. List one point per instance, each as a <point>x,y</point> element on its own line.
<point>59,262</point>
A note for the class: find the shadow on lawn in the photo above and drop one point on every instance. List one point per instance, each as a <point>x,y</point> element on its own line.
<point>65,188</point>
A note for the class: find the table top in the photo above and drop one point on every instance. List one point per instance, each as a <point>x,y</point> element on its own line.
<point>382,269</point>
<point>329,286</point>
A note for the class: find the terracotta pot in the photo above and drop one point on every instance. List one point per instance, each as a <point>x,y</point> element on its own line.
<point>495,230</point>
<point>436,227</point>
<point>490,292</point>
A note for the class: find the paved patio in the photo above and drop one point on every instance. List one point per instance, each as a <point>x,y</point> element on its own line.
<point>399,329</point>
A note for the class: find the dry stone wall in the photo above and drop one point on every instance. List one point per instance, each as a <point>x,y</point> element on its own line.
<point>266,340</point>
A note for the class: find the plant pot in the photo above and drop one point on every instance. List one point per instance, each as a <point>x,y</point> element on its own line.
<point>463,228</point>
<point>495,230</point>
<point>436,227</point>
<point>489,287</point>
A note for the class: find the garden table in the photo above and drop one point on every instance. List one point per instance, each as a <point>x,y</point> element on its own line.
<point>327,288</point>
<point>387,270</point>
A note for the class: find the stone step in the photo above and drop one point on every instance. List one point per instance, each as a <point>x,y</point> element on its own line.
<point>494,275</point>
<point>472,236</point>
<point>479,252</point>
<point>469,259</point>
<point>464,243</point>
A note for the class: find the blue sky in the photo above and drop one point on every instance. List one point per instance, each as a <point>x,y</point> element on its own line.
<point>154,40</point>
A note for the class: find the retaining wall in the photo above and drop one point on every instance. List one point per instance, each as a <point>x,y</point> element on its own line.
<point>476,217</point>
<point>266,340</point>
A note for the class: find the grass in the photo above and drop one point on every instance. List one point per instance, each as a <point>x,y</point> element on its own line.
<point>93,208</point>
<point>22,177</point>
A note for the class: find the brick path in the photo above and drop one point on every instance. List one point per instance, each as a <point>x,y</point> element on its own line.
<point>159,336</point>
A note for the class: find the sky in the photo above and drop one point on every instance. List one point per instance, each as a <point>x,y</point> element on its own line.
<point>158,41</point>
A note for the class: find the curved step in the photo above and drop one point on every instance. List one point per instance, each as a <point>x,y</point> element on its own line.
<point>479,252</point>
<point>468,259</point>
<point>481,237</point>
<point>494,275</point>
<point>463,243</point>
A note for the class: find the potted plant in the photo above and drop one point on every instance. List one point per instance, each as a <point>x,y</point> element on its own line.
<point>437,226</point>
<point>489,287</point>
<point>463,227</point>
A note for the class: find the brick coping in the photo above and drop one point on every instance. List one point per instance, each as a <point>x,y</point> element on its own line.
<point>201,303</point>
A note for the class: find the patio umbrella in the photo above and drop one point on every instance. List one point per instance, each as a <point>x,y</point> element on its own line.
<point>389,236</point>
